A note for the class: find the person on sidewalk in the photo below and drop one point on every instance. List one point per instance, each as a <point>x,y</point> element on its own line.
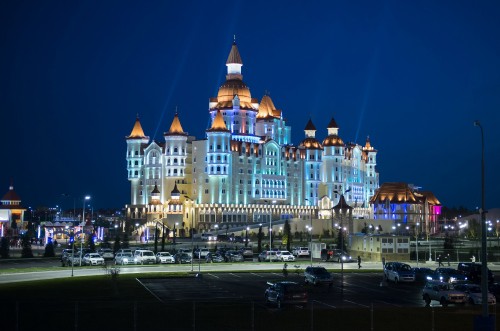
<point>440,261</point>
<point>359,262</point>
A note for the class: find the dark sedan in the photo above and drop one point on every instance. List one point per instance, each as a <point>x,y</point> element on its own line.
<point>286,293</point>
<point>234,256</point>
<point>182,258</point>
<point>214,258</point>
<point>448,275</point>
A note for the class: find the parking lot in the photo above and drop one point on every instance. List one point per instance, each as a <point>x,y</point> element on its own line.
<point>359,290</point>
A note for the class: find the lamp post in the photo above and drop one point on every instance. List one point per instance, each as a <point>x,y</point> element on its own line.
<point>82,235</point>
<point>309,229</point>
<point>484,266</point>
<point>192,233</point>
<point>246,236</point>
<point>341,235</point>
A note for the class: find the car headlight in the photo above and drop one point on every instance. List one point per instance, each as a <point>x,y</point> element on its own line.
<point>452,279</point>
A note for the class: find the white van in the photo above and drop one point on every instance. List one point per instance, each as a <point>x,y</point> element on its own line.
<point>208,236</point>
<point>145,256</point>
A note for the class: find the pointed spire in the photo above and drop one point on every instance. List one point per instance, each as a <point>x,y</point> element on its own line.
<point>367,144</point>
<point>332,124</point>
<point>137,131</point>
<point>218,124</point>
<point>234,55</point>
<point>175,127</point>
<point>310,126</point>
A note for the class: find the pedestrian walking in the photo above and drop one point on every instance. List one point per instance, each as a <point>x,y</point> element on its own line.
<point>473,259</point>
<point>359,262</point>
<point>440,263</point>
<point>285,270</point>
<point>383,261</point>
<point>448,259</point>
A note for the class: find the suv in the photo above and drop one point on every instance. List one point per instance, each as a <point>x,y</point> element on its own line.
<point>145,256</point>
<point>92,259</point>
<point>268,256</point>
<point>399,272</point>
<point>301,251</point>
<point>318,275</point>
<point>442,292</point>
<point>472,271</point>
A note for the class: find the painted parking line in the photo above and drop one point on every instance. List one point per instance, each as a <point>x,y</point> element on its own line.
<point>357,304</point>
<point>256,275</point>
<point>235,275</point>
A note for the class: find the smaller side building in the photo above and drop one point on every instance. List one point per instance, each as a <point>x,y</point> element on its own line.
<point>11,214</point>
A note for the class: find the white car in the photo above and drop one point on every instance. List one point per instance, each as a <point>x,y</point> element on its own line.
<point>445,293</point>
<point>164,257</point>
<point>285,256</point>
<point>475,294</point>
<point>125,258</point>
<point>92,259</point>
<point>301,251</point>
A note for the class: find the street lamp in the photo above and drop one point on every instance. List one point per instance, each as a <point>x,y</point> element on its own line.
<point>246,236</point>
<point>82,235</point>
<point>484,267</point>
<point>309,229</point>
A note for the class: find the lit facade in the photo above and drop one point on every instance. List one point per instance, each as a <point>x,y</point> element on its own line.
<point>245,170</point>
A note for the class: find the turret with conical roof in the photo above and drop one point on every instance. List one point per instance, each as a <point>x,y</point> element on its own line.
<point>136,142</point>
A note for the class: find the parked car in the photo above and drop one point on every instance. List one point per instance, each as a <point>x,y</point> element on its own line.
<point>74,260</point>
<point>201,253</point>
<point>93,259</point>
<point>286,292</point>
<point>475,294</point>
<point>234,256</point>
<point>106,253</point>
<point>268,256</point>
<point>214,258</point>
<point>472,271</point>
<point>247,252</point>
<point>399,272</point>
<point>124,250</point>
<point>448,275</point>
<point>423,275</point>
<point>301,251</point>
<point>164,257</point>
<point>285,256</point>
<point>318,275</point>
<point>185,251</point>
<point>445,293</point>
<point>145,256</point>
<point>125,258</point>
<point>64,256</point>
<point>181,258</point>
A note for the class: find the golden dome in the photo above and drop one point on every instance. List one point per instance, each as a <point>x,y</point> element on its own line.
<point>311,143</point>
<point>333,141</point>
<point>229,89</point>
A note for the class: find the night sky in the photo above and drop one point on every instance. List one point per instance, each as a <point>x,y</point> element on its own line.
<point>411,76</point>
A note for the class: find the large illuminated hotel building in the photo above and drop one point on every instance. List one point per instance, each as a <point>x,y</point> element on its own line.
<point>245,170</point>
